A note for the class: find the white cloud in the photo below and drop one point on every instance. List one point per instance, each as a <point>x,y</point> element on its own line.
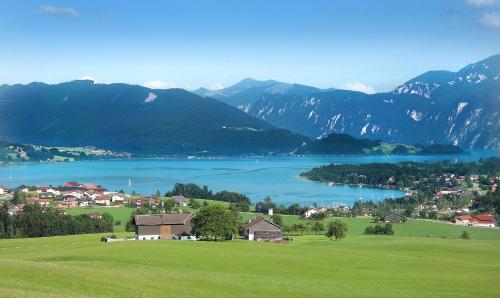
<point>158,84</point>
<point>68,11</point>
<point>217,86</point>
<point>481,3</point>
<point>490,20</point>
<point>358,87</point>
<point>87,77</point>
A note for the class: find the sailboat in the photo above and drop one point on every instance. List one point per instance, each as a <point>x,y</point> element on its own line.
<point>129,182</point>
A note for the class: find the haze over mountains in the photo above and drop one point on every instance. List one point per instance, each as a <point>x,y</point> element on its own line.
<point>460,108</point>
<point>256,117</point>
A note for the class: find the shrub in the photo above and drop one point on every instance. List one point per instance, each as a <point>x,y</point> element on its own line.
<point>379,230</point>
<point>465,235</point>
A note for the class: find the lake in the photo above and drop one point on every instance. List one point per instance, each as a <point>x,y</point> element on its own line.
<point>256,177</point>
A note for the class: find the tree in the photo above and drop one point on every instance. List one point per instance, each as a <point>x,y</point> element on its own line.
<point>195,204</point>
<point>317,227</point>
<point>169,205</point>
<point>277,219</point>
<point>336,229</point>
<point>300,227</point>
<point>215,223</point>
<point>158,194</point>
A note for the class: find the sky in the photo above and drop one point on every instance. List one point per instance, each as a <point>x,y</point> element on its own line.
<point>365,45</point>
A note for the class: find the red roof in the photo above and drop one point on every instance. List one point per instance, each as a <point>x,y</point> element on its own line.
<point>72,184</point>
<point>485,217</point>
<point>464,217</point>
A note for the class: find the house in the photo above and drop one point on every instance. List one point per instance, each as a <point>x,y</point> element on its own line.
<point>392,217</point>
<point>162,226</point>
<point>141,202</point>
<point>3,189</point>
<point>312,211</point>
<point>75,193</point>
<point>15,209</point>
<point>262,229</point>
<point>102,200</point>
<point>463,220</point>
<point>95,215</point>
<point>483,220</point>
<point>41,202</point>
<point>180,200</point>
<point>117,199</point>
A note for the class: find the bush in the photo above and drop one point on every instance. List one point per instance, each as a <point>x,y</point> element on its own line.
<point>103,239</point>
<point>379,230</point>
<point>113,236</point>
<point>465,235</point>
<point>118,223</point>
<point>369,230</point>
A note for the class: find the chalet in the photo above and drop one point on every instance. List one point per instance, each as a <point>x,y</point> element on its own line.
<point>262,229</point>
<point>180,200</point>
<point>41,202</point>
<point>463,220</point>
<point>392,217</point>
<point>312,211</point>
<point>163,226</point>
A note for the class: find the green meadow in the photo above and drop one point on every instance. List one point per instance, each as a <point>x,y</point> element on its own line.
<point>423,259</point>
<point>357,266</point>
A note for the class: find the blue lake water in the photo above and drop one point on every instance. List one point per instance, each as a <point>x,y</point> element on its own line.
<point>256,177</point>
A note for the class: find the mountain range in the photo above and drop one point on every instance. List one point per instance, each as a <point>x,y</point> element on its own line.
<point>460,108</point>
<point>259,117</point>
<point>135,119</point>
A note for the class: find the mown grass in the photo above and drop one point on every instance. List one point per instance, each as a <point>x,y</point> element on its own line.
<point>358,266</point>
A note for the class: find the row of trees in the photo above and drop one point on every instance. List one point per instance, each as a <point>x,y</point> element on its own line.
<point>33,221</point>
<point>191,190</point>
<point>267,203</point>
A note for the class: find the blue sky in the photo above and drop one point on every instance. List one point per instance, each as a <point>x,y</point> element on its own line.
<point>367,45</point>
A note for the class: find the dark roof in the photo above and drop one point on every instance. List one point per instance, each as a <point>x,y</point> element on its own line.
<point>257,220</point>
<point>162,219</point>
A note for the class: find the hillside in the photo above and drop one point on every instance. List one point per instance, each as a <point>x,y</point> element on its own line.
<point>460,108</point>
<point>135,119</point>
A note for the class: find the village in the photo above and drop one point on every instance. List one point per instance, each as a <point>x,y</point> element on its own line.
<point>174,222</point>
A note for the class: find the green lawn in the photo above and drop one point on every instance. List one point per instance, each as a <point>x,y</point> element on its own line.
<point>358,266</point>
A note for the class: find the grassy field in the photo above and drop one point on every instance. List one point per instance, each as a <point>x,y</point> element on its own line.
<point>358,266</point>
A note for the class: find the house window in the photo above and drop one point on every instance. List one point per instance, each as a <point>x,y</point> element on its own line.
<point>152,238</point>
<point>143,238</point>
<point>158,237</point>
